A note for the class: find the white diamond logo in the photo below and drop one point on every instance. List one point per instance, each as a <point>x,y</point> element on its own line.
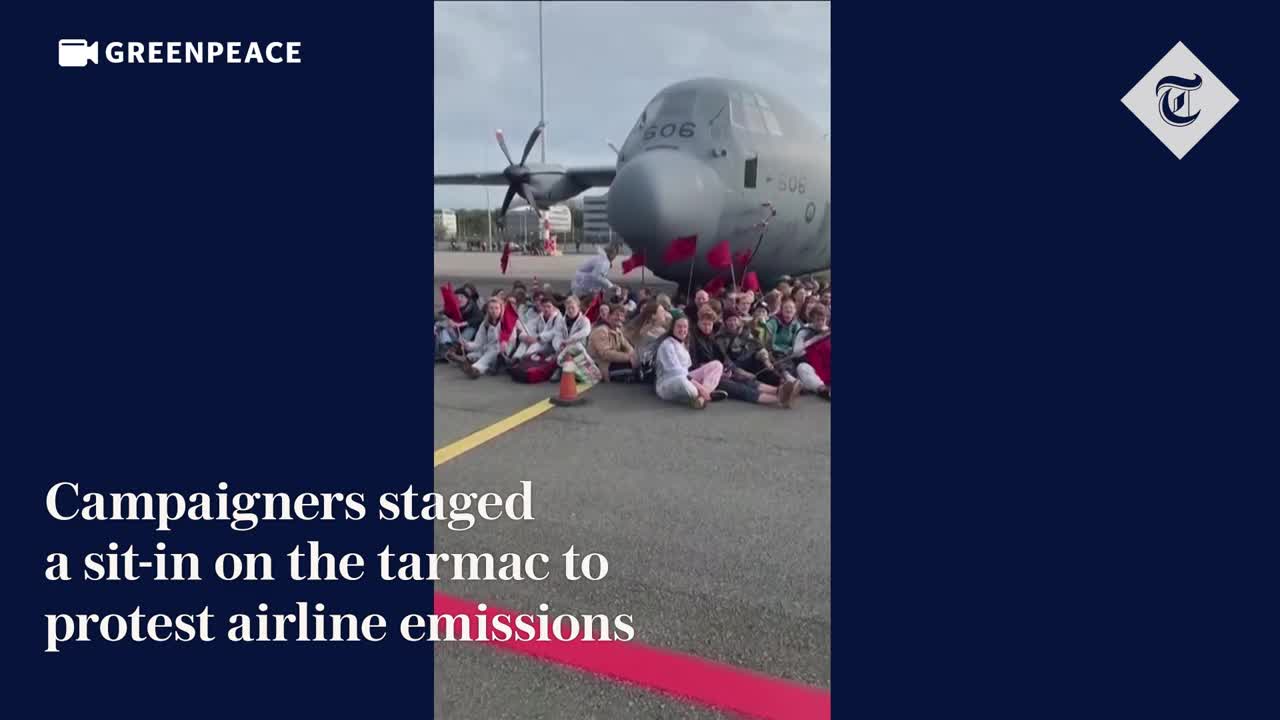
<point>1179,100</point>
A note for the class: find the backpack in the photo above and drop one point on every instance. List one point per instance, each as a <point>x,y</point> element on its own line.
<point>533,371</point>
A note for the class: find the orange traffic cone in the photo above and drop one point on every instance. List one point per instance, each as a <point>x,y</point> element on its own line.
<point>568,388</point>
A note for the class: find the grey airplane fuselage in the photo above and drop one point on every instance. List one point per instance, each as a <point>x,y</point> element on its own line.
<point>711,158</point>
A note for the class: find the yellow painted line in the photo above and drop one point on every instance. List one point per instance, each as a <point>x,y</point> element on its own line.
<point>484,435</point>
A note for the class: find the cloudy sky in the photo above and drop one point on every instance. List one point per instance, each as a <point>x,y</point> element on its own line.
<point>603,61</point>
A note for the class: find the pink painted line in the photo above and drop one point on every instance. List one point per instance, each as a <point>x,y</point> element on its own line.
<point>687,677</point>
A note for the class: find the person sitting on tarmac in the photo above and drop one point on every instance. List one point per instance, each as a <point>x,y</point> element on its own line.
<point>758,325</point>
<point>577,328</point>
<point>644,330</point>
<point>812,353</point>
<point>773,301</point>
<point>642,297</point>
<point>700,298</point>
<point>481,355</point>
<point>593,275</point>
<point>736,382</point>
<point>745,351</point>
<point>676,381</point>
<point>742,304</point>
<point>450,332</point>
<point>609,347</point>
<point>783,327</point>
<point>805,307</point>
<point>545,328</point>
<point>620,295</point>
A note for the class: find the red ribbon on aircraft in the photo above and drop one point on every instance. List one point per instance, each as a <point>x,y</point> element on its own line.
<point>633,262</point>
<point>720,256</point>
<point>716,284</point>
<point>681,249</point>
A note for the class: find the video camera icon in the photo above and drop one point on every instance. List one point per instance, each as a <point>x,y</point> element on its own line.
<point>77,53</point>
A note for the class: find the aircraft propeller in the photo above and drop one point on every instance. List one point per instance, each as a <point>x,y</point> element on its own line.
<point>517,174</point>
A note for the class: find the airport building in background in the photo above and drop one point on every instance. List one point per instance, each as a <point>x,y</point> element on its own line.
<point>446,224</point>
<point>595,219</point>
<point>522,224</point>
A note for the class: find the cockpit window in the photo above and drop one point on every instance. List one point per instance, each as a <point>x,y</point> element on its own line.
<point>651,111</point>
<point>679,105</point>
<point>750,111</point>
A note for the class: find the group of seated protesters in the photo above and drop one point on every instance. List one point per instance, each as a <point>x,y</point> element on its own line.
<point>763,349</point>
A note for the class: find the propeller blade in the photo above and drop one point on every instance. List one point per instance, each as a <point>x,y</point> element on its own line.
<point>526,192</point>
<point>502,143</point>
<point>506,203</point>
<point>533,138</point>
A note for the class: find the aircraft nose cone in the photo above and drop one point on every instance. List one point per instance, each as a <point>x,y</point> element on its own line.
<point>662,195</point>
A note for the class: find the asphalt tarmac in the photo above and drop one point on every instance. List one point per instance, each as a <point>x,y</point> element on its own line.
<point>715,523</point>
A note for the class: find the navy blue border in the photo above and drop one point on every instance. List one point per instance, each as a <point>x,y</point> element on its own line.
<point>1061,365</point>
<point>223,274</point>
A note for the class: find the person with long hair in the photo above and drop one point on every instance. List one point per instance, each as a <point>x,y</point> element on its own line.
<point>480,356</point>
<point>646,328</point>
<point>677,381</point>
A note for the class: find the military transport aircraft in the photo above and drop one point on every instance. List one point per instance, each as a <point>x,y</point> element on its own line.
<point>713,158</point>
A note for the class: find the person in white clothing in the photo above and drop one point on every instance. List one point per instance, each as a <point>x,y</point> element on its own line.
<point>593,276</point>
<point>479,356</point>
<point>542,332</point>
<point>577,328</point>
<point>675,381</point>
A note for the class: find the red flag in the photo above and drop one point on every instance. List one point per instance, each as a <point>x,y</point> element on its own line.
<point>716,284</point>
<point>720,256</point>
<point>681,249</point>
<point>509,319</point>
<point>633,262</point>
<point>751,282</point>
<point>451,309</point>
<point>741,259</point>
<point>819,356</point>
<point>593,309</point>
<point>506,256</point>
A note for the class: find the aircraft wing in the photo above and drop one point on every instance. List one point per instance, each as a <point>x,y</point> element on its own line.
<point>599,176</point>
<point>472,179</point>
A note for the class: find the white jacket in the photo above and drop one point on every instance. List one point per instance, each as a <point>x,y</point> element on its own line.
<point>592,276</point>
<point>672,362</point>
<point>547,330</point>
<point>487,338</point>
<point>578,332</point>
